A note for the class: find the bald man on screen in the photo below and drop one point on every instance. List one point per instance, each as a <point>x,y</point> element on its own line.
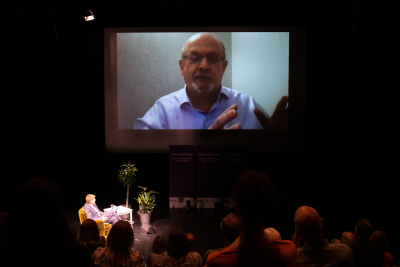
<point>204,103</point>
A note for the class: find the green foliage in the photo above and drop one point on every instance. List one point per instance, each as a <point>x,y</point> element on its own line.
<point>146,200</point>
<point>127,176</point>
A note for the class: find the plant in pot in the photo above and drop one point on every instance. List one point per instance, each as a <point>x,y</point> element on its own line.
<point>146,201</point>
<point>127,177</point>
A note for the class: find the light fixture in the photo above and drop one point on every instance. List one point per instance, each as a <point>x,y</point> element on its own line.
<point>89,15</point>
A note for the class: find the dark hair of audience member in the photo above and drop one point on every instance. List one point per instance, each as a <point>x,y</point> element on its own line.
<point>120,243</point>
<point>379,238</point>
<point>364,228</point>
<point>255,195</point>
<point>159,245</point>
<point>41,228</point>
<point>89,233</point>
<point>177,244</point>
<point>230,227</point>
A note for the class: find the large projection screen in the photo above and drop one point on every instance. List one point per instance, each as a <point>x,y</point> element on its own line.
<point>141,66</point>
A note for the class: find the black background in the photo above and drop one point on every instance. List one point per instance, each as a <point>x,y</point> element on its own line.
<point>52,116</point>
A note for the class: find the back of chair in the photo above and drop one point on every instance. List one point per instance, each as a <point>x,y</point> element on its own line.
<point>82,215</point>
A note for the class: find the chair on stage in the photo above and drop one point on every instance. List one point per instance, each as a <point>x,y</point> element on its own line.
<point>104,228</point>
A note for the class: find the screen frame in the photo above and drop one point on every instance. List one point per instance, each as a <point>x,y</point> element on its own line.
<point>158,141</point>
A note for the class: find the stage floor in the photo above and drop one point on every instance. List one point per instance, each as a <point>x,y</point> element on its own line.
<point>203,223</point>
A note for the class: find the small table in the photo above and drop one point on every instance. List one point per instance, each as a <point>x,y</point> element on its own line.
<point>121,211</point>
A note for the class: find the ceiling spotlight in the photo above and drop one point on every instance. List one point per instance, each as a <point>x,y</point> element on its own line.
<point>89,16</point>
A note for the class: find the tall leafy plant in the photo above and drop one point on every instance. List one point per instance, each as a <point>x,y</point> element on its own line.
<point>127,177</point>
<point>146,200</point>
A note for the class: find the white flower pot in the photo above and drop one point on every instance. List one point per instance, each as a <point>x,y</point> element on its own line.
<point>144,217</point>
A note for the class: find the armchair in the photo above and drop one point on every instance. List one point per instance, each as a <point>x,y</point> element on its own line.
<point>104,229</point>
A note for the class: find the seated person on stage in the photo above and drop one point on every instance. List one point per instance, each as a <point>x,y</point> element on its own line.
<point>93,212</point>
<point>254,247</point>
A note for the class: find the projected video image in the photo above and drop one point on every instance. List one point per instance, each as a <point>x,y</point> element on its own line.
<point>201,81</point>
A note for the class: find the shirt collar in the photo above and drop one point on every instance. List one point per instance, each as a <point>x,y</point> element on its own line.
<point>184,98</point>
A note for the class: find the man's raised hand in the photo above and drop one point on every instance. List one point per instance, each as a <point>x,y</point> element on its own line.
<point>228,115</point>
<point>278,120</point>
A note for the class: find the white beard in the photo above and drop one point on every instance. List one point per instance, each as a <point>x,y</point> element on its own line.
<point>203,89</point>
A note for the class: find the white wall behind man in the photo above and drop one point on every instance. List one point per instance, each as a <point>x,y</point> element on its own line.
<point>260,66</point>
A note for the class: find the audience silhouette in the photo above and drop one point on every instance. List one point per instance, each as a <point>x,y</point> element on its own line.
<point>40,235</point>
<point>89,240</point>
<point>158,250</point>
<point>366,253</point>
<point>316,250</point>
<point>255,197</point>
<point>119,248</point>
<point>178,252</point>
<point>52,242</point>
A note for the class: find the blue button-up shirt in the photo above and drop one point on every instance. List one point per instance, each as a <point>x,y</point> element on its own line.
<point>174,111</point>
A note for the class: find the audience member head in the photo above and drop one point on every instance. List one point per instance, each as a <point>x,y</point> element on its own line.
<point>335,241</point>
<point>348,238</point>
<point>159,245</point>
<point>191,240</point>
<point>255,196</point>
<point>308,225</point>
<point>120,243</point>
<point>379,238</point>
<point>89,232</point>
<point>177,243</point>
<point>272,234</point>
<point>364,229</point>
<point>89,198</point>
<point>42,222</point>
<point>230,229</point>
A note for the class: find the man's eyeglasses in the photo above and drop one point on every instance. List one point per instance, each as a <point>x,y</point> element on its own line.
<point>197,58</point>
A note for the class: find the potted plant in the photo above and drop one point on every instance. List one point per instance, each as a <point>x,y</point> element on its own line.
<point>146,204</point>
<point>127,177</point>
